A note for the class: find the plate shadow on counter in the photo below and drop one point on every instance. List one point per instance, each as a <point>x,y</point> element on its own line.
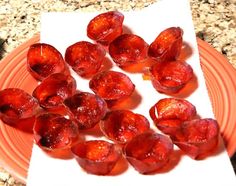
<point>2,50</point>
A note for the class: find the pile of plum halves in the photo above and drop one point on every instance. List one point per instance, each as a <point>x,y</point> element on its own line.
<point>60,113</point>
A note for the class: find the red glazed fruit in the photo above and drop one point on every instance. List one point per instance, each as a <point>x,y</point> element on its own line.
<point>122,125</point>
<point>105,27</point>
<point>87,109</point>
<point>16,105</point>
<point>197,138</point>
<point>128,49</point>
<point>54,132</point>
<point>44,60</point>
<point>96,157</point>
<point>85,58</point>
<point>54,90</point>
<point>167,45</point>
<point>170,77</point>
<point>148,152</point>
<point>112,85</point>
<point>169,113</point>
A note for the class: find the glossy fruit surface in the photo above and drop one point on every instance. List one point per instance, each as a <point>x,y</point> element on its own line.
<point>111,85</point>
<point>170,77</point>
<point>53,90</point>
<point>16,104</point>
<point>197,138</point>
<point>167,45</point>
<point>148,152</point>
<point>128,49</point>
<point>55,132</point>
<point>122,125</point>
<point>97,156</point>
<point>105,27</point>
<point>169,113</point>
<point>87,109</point>
<point>85,58</point>
<point>44,60</point>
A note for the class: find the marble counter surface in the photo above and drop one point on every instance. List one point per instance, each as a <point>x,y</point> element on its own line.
<point>214,21</point>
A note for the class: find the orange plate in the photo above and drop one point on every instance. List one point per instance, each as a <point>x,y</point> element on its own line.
<point>16,146</point>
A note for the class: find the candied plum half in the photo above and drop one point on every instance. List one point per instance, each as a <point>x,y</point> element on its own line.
<point>16,104</point>
<point>85,58</point>
<point>53,90</point>
<point>169,113</point>
<point>148,152</point>
<point>97,156</point>
<point>121,126</point>
<point>198,137</point>
<point>105,27</point>
<point>44,60</point>
<point>167,45</point>
<point>128,49</point>
<point>87,109</point>
<point>170,77</point>
<point>54,132</point>
<point>112,85</point>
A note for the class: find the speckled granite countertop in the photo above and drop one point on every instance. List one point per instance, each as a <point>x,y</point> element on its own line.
<point>214,21</point>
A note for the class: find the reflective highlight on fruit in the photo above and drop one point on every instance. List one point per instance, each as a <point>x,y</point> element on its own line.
<point>128,49</point>
<point>44,60</point>
<point>85,58</point>
<point>167,45</point>
<point>87,109</point>
<point>97,156</point>
<point>122,125</point>
<point>16,104</point>
<point>105,27</point>
<point>169,113</point>
<point>197,138</point>
<point>170,77</point>
<point>54,132</point>
<point>111,85</point>
<point>148,152</point>
<point>54,90</point>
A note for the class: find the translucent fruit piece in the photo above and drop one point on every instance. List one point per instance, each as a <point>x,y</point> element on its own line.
<point>168,126</point>
<point>173,108</point>
<point>112,85</point>
<point>97,156</point>
<point>44,60</point>
<point>169,113</point>
<point>53,132</point>
<point>16,104</point>
<point>122,125</point>
<point>197,138</point>
<point>128,49</point>
<point>148,152</point>
<point>170,77</point>
<point>105,27</point>
<point>87,109</point>
<point>54,90</point>
<point>167,45</point>
<point>85,58</point>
